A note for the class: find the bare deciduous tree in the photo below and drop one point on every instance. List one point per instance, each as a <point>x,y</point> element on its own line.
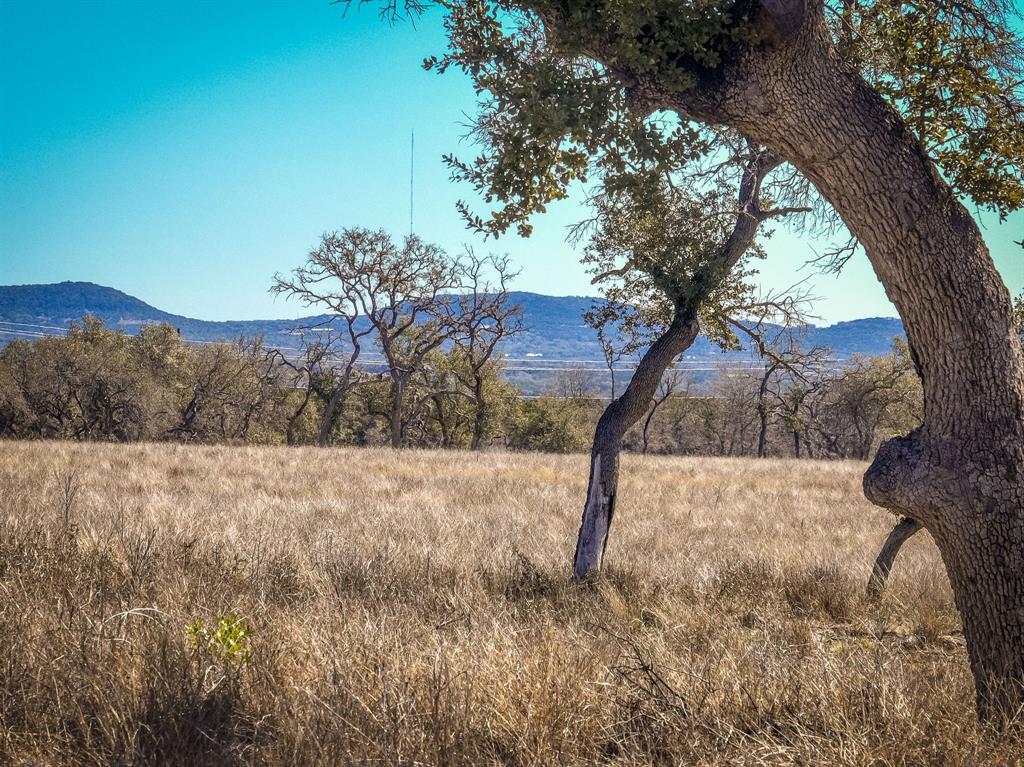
<point>670,384</point>
<point>482,317</point>
<point>783,359</point>
<point>373,285</point>
<point>618,333</point>
<point>324,368</point>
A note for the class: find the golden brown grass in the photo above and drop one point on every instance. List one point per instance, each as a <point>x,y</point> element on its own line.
<point>412,608</point>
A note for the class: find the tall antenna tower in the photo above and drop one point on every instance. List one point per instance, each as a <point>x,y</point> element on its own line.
<point>412,154</point>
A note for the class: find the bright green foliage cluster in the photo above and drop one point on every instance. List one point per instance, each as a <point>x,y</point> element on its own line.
<point>550,115</point>
<point>548,120</point>
<point>654,253</point>
<point>957,81</point>
<point>229,641</point>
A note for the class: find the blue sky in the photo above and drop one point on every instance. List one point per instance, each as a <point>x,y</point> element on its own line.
<point>184,152</point>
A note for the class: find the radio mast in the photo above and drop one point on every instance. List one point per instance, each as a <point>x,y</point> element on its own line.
<point>412,154</point>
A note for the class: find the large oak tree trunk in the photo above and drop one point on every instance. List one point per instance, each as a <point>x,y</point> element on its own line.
<point>617,418</point>
<point>961,474</point>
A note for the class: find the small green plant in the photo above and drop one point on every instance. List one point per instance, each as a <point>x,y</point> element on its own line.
<point>229,641</point>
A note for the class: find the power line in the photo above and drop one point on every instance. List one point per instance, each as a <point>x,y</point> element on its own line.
<point>29,333</point>
<point>31,325</point>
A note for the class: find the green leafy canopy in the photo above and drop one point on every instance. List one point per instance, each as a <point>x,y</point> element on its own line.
<point>550,115</point>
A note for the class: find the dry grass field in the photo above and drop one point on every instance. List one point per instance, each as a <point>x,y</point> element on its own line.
<point>162,604</point>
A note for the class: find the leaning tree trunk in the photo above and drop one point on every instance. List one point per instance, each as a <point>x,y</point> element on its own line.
<point>901,533</point>
<point>625,411</point>
<point>961,473</point>
<point>611,427</point>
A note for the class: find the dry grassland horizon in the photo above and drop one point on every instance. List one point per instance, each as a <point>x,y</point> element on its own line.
<point>170,604</point>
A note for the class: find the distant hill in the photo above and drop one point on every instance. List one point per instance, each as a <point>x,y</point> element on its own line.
<point>51,307</point>
<point>557,335</point>
<point>557,328</point>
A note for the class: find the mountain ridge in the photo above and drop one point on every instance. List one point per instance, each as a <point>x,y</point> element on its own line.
<point>556,330</point>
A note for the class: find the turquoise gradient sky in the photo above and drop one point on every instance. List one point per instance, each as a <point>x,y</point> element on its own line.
<point>184,152</point>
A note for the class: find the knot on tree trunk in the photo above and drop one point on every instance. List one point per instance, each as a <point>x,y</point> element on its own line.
<point>898,477</point>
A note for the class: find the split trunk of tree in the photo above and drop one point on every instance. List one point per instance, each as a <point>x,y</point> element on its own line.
<point>330,415</point>
<point>901,533</point>
<point>961,474</point>
<point>621,414</point>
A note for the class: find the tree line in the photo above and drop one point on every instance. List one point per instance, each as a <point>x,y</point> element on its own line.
<point>99,383</point>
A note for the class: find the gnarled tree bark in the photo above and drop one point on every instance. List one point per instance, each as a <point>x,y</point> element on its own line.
<point>961,474</point>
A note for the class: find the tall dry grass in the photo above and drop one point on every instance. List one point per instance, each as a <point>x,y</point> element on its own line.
<point>412,608</point>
